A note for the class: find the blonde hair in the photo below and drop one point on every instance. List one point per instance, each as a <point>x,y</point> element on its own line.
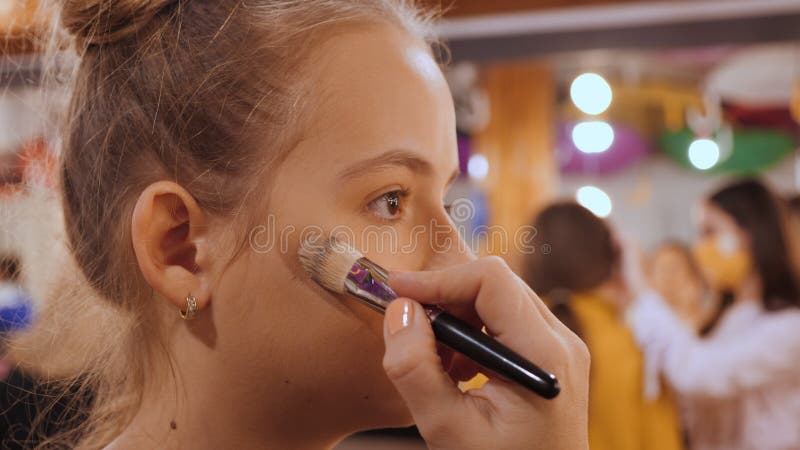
<point>185,90</point>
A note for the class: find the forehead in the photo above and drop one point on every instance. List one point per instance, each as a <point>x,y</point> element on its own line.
<point>377,87</point>
<point>378,63</point>
<point>669,254</point>
<point>713,216</point>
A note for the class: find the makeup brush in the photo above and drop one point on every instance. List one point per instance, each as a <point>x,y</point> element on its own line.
<point>340,268</point>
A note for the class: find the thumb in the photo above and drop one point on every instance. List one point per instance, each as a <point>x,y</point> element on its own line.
<point>414,366</point>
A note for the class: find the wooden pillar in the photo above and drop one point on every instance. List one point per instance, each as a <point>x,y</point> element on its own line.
<point>519,144</point>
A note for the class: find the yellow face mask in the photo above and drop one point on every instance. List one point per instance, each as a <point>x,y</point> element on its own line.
<point>723,261</point>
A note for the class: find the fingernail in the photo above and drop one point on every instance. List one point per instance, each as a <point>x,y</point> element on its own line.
<point>400,317</point>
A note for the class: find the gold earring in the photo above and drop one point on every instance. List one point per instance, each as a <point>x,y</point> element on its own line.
<point>191,308</point>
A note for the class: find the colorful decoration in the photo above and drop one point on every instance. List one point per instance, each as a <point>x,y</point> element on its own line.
<point>753,150</point>
<point>33,162</point>
<point>756,77</point>
<point>794,106</point>
<point>627,148</point>
<point>464,152</point>
<point>778,117</point>
<point>16,308</point>
<point>470,100</point>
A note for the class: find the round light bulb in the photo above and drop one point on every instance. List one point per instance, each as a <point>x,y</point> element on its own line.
<point>704,153</point>
<point>593,137</point>
<point>478,167</point>
<point>595,200</point>
<point>591,93</point>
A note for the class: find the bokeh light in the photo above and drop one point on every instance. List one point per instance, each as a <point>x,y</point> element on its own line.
<point>703,153</point>
<point>595,200</point>
<point>591,93</point>
<point>478,167</point>
<point>593,137</point>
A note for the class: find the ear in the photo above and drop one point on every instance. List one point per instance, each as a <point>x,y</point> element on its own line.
<point>168,231</point>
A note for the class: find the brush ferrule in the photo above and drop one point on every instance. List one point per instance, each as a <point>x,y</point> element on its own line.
<point>367,282</point>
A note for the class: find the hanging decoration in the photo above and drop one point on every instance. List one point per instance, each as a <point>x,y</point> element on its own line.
<point>713,141</point>
<point>470,101</point>
<point>771,117</point>
<point>758,77</point>
<point>752,150</point>
<point>33,163</point>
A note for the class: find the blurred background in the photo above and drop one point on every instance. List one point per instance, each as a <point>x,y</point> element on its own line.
<point>636,109</point>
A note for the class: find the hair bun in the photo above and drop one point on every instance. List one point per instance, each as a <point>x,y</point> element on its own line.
<point>107,21</point>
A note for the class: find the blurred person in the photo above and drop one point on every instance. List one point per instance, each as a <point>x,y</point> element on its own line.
<point>793,206</point>
<point>743,379</point>
<point>581,278</point>
<point>673,272</point>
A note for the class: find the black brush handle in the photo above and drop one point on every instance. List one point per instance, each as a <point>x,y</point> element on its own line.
<point>486,351</point>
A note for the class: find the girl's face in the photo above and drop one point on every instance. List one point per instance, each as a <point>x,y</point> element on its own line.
<point>712,221</point>
<point>672,275</point>
<point>375,162</point>
<point>722,250</point>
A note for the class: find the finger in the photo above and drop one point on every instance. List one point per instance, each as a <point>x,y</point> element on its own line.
<point>446,355</point>
<point>548,315</point>
<point>462,368</point>
<point>502,304</point>
<point>413,365</point>
<point>561,331</point>
<point>453,285</point>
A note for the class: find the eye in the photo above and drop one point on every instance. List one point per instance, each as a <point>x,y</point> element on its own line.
<point>388,206</point>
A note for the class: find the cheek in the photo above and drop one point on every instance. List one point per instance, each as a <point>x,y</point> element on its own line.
<point>406,261</point>
<point>262,308</point>
<point>282,295</point>
<point>659,275</point>
<point>400,247</point>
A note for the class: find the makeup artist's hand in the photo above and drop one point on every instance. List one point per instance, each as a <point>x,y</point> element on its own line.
<point>500,415</point>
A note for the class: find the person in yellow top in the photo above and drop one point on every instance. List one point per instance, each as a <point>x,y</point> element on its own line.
<point>581,278</point>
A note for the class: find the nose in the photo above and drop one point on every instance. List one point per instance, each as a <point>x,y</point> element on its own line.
<point>447,246</point>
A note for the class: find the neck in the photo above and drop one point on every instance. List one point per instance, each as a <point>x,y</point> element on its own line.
<point>749,290</point>
<point>203,404</point>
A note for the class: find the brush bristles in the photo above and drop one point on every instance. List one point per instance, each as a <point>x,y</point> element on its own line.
<point>328,261</point>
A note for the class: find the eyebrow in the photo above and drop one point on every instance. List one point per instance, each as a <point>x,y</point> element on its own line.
<point>392,158</point>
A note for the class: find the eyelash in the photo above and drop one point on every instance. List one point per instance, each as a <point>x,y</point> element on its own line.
<point>400,195</point>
